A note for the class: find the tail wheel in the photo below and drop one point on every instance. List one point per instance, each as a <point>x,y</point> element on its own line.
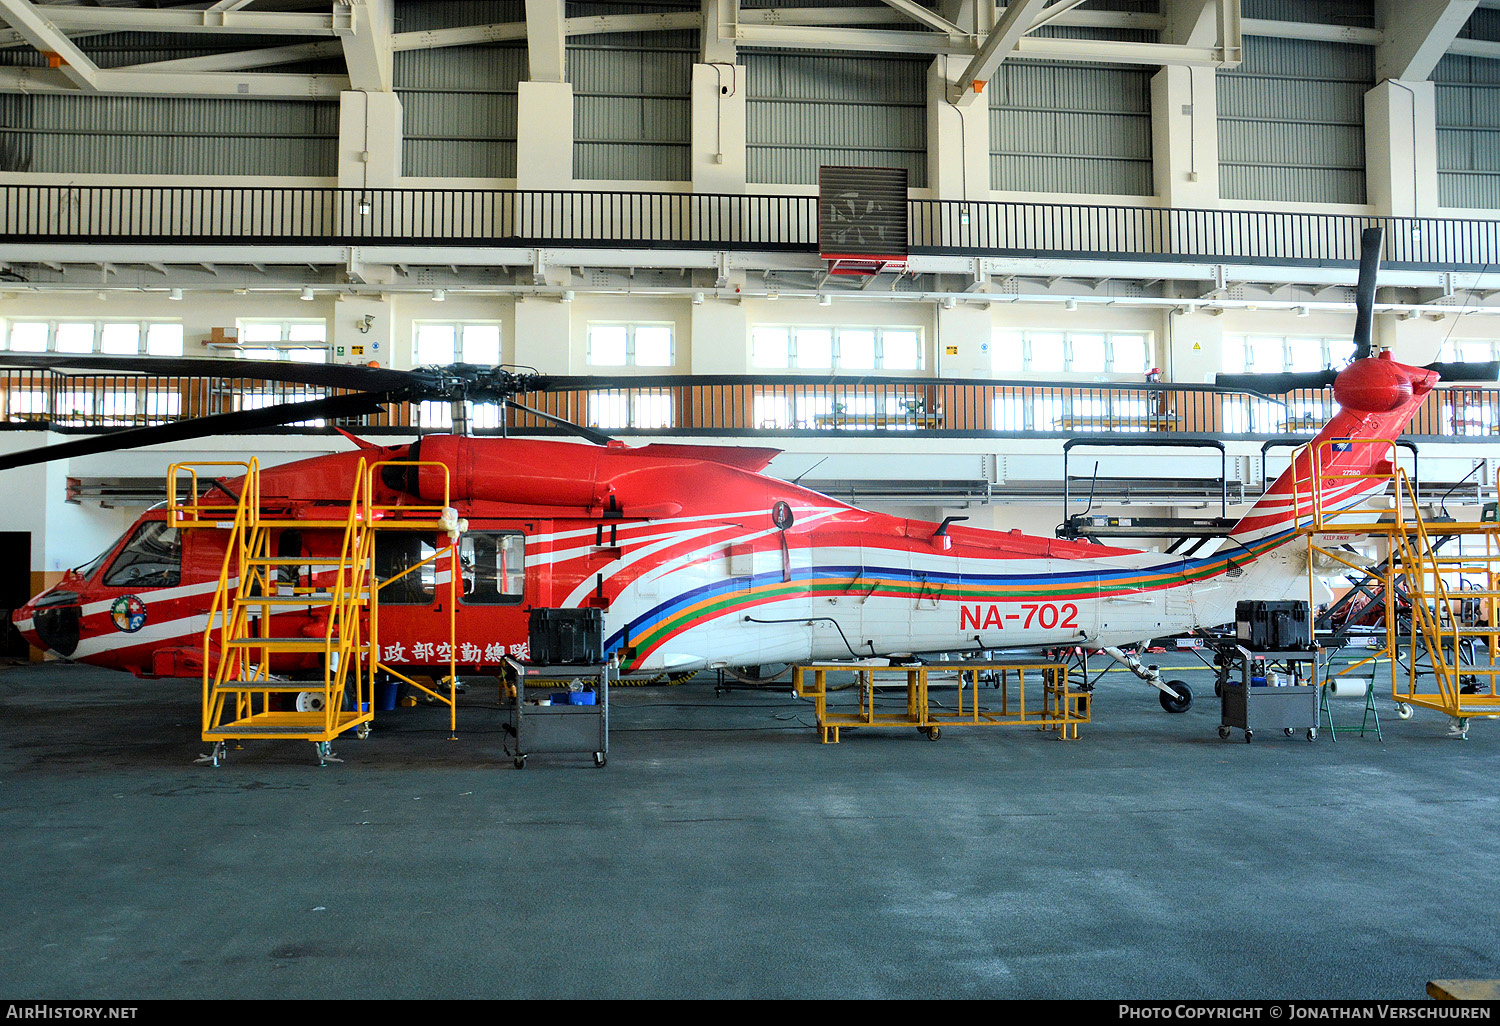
<point>1180,704</point>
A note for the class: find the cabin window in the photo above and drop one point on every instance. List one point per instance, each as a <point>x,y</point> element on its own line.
<point>494,567</point>
<point>397,552</point>
<point>151,559</point>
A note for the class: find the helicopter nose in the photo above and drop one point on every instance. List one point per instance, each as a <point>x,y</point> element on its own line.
<point>55,620</point>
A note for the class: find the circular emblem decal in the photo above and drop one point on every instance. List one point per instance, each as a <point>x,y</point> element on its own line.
<point>128,613</point>
<point>781,515</point>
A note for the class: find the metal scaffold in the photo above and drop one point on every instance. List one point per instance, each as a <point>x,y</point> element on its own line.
<point>273,611</point>
<point>1441,631</point>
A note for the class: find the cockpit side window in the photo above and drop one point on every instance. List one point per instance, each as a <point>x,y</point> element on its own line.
<point>151,559</point>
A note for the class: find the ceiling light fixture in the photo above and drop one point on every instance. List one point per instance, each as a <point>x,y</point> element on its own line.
<point>438,295</point>
<point>175,295</point>
<point>307,294</point>
<point>825,300</point>
<point>1071,304</point>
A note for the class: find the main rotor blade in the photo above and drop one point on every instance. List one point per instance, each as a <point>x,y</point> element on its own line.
<point>370,379</point>
<point>597,437</point>
<point>219,424</point>
<point>1370,242</point>
<point>1275,384</point>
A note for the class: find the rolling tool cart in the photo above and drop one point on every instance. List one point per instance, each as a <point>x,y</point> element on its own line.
<point>548,717</point>
<point>1276,688</point>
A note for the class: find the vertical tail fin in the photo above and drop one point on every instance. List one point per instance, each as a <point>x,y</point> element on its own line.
<point>1377,398</point>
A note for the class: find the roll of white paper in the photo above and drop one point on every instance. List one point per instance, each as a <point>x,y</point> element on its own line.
<point>1348,687</point>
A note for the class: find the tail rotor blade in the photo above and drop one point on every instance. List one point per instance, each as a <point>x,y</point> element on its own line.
<point>1276,384</point>
<point>1489,371</point>
<point>1371,241</point>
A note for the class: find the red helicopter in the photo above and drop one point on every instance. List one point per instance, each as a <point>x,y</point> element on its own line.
<point>693,556</point>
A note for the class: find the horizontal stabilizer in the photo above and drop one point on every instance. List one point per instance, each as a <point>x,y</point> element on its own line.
<point>751,458</point>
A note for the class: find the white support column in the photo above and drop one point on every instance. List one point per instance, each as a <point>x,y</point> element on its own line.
<point>546,43</point>
<point>964,339</point>
<point>364,330</point>
<point>1185,136</point>
<point>721,338</point>
<point>958,137</point>
<point>1401,148</point>
<point>718,139</point>
<point>1193,347</point>
<point>544,135</point>
<point>544,334</point>
<point>369,140</point>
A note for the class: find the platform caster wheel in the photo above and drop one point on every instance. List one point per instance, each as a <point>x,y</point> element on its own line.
<point>519,762</point>
<point>599,760</point>
<point>1223,733</point>
<point>1184,700</point>
<point>1249,736</point>
<point>1288,731</point>
<point>1403,711</point>
<point>933,733</point>
<point>1312,733</point>
<point>362,731</point>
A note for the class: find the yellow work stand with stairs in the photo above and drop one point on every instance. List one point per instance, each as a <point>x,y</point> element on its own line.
<point>242,698</point>
<point>1444,607</point>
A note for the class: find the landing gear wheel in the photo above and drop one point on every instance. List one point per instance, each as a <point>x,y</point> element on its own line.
<point>1223,732</point>
<point>1312,733</point>
<point>1249,736</point>
<point>519,762</point>
<point>310,701</point>
<point>599,760</point>
<point>1403,711</point>
<point>1182,703</point>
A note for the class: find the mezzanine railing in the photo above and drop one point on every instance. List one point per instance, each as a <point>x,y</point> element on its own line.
<point>177,215</point>
<point>753,406</point>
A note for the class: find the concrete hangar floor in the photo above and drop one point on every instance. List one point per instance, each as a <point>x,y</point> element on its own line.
<point>723,852</point>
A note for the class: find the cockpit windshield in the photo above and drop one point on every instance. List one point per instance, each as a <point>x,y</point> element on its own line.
<point>92,566</point>
<point>151,559</point>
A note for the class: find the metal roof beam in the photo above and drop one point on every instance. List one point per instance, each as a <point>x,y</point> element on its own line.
<point>998,45</point>
<point>918,13</point>
<point>242,60</point>
<point>144,19</point>
<point>367,48</point>
<point>41,33</point>
<point>1030,48</point>
<point>1417,34</point>
<point>133,83</point>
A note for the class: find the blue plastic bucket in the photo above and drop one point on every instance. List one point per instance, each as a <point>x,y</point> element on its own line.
<point>385,696</point>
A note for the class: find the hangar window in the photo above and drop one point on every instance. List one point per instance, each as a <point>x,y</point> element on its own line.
<point>1467,350</point>
<point>613,411</point>
<point>441,343</point>
<point>1073,352</point>
<point>1273,354</point>
<point>151,559</point>
<point>820,347</point>
<point>112,337</point>
<point>630,345</point>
